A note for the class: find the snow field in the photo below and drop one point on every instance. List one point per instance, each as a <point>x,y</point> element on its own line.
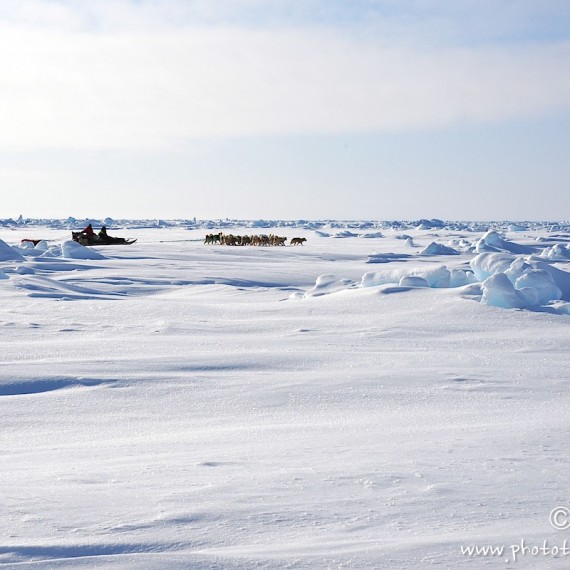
<point>176,405</point>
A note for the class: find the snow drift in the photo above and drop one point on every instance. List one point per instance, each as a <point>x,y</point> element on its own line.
<point>8,253</point>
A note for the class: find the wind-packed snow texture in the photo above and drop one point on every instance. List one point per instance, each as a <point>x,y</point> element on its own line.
<point>171,404</point>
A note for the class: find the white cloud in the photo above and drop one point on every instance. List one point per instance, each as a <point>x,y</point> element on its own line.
<point>152,89</point>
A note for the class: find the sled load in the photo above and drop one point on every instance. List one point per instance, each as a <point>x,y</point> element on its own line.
<point>87,236</point>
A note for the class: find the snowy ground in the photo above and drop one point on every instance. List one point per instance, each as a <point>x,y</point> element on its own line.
<point>177,405</point>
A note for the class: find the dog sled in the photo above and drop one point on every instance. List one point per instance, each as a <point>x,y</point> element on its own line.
<point>84,239</point>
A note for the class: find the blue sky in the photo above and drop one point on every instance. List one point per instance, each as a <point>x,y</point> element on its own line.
<point>285,109</point>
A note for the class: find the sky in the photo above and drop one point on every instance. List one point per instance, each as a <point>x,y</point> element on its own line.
<point>285,109</point>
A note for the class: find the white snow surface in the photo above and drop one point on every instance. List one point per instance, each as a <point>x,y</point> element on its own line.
<point>170,404</point>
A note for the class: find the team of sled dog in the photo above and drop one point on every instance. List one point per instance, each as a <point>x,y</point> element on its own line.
<point>230,239</point>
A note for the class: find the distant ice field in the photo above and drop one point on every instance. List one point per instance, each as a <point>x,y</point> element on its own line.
<point>379,397</point>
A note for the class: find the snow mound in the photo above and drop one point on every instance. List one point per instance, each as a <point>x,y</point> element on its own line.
<point>373,235</point>
<point>73,250</point>
<point>8,253</point>
<point>486,264</point>
<point>3,275</point>
<point>461,277</point>
<point>42,245</point>
<point>438,249</point>
<point>375,278</point>
<point>327,284</point>
<point>542,282</point>
<point>524,274</point>
<point>498,291</point>
<point>28,250</point>
<point>561,278</point>
<point>26,244</point>
<point>556,252</point>
<point>506,281</point>
<point>491,241</point>
<point>53,251</point>
<point>429,224</point>
<point>435,277</point>
<point>413,281</point>
<point>462,245</point>
<point>345,234</point>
